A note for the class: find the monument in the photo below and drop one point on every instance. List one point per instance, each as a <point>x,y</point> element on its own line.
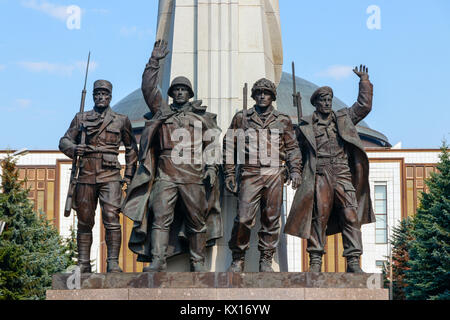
<point>221,45</point>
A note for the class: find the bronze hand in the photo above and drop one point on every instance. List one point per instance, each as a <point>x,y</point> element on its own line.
<point>362,73</point>
<point>160,50</point>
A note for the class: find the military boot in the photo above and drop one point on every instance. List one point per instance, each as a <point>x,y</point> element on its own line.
<point>315,262</point>
<point>113,239</point>
<point>238,262</point>
<point>160,243</point>
<point>353,265</point>
<point>197,250</point>
<point>84,242</point>
<point>265,261</point>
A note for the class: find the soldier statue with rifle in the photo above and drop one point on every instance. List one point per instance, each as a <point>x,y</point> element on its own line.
<point>93,140</point>
<point>259,184</point>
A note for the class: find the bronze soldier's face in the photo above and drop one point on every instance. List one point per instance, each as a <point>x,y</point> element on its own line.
<point>263,98</point>
<point>180,94</point>
<point>102,98</point>
<point>324,104</point>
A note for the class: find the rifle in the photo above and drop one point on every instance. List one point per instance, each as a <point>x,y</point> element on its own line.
<point>75,172</point>
<point>297,97</point>
<point>245,96</point>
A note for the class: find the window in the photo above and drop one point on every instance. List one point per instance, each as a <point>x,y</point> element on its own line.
<point>380,264</point>
<point>41,182</point>
<point>381,214</point>
<point>415,185</point>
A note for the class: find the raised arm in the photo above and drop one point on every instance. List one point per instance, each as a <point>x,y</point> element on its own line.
<point>363,105</point>
<point>150,78</point>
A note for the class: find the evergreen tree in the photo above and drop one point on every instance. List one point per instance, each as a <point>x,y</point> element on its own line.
<point>429,253</point>
<point>400,242</point>
<point>31,250</point>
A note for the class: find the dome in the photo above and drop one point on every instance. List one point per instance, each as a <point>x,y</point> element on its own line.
<point>134,107</point>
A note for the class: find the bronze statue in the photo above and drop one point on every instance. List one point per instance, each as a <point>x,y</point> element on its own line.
<point>169,201</point>
<point>334,195</point>
<point>260,185</point>
<point>99,177</point>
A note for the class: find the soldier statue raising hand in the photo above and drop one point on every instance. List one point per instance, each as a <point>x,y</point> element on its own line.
<point>334,195</point>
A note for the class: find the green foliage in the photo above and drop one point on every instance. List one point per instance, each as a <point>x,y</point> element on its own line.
<point>429,252</point>
<point>31,250</point>
<point>401,239</point>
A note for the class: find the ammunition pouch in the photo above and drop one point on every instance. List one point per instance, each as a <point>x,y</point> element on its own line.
<point>110,160</point>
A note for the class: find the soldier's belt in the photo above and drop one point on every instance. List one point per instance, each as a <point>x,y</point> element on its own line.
<point>97,155</point>
<point>331,161</point>
<point>93,155</point>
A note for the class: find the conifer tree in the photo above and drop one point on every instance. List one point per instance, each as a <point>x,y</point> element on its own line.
<point>31,250</point>
<point>400,242</point>
<point>429,253</point>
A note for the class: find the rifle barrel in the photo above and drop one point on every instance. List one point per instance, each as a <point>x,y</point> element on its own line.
<point>83,93</point>
<point>245,96</point>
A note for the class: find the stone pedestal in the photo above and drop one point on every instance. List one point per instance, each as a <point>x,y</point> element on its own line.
<point>221,286</point>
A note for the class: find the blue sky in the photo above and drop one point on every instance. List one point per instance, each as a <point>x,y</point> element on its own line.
<point>42,61</point>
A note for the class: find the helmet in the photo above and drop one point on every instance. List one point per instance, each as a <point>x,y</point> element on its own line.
<point>181,81</point>
<point>265,84</point>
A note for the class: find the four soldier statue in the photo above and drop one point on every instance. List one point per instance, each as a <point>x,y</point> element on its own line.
<point>173,193</point>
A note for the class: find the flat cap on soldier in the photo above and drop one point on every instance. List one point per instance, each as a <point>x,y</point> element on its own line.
<point>265,84</point>
<point>103,84</point>
<point>322,91</point>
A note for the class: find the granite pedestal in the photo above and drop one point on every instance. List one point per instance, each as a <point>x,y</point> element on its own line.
<point>221,286</point>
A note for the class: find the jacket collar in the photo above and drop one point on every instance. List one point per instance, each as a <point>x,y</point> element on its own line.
<point>273,114</point>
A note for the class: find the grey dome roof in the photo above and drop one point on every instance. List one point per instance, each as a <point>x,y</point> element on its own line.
<point>134,105</point>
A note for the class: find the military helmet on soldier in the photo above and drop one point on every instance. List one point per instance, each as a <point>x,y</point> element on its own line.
<point>183,81</point>
<point>265,84</point>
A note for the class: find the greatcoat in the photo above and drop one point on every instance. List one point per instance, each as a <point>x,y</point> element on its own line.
<point>300,217</point>
<point>136,204</point>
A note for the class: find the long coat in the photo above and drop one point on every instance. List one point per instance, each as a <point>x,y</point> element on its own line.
<point>136,206</point>
<point>300,217</point>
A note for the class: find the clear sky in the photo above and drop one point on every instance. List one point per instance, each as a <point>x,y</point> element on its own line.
<point>42,61</point>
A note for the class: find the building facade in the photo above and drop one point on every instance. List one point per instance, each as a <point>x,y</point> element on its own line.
<point>396,179</point>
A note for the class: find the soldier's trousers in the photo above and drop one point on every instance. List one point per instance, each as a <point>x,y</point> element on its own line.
<point>109,195</point>
<point>258,191</point>
<point>334,192</point>
<point>164,197</point>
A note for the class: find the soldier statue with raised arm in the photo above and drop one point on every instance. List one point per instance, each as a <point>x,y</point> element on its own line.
<point>334,196</point>
<point>171,201</point>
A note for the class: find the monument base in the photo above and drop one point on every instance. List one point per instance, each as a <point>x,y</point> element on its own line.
<point>221,286</point>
